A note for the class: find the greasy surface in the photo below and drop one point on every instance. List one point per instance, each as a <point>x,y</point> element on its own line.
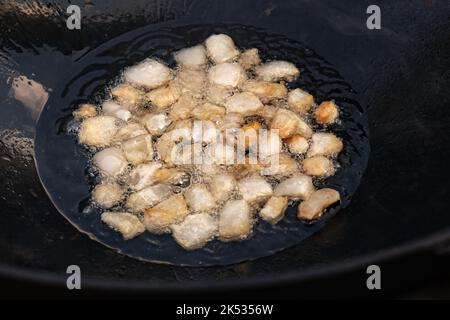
<point>378,64</point>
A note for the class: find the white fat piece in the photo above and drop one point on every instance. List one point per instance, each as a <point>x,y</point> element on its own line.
<point>193,57</point>
<point>111,162</point>
<point>244,103</point>
<point>226,74</point>
<point>111,108</point>
<point>195,231</point>
<point>235,221</point>
<point>296,187</point>
<point>199,199</point>
<point>277,70</point>
<point>143,175</point>
<point>254,189</point>
<point>149,73</point>
<point>221,48</point>
<point>98,131</point>
<point>127,224</point>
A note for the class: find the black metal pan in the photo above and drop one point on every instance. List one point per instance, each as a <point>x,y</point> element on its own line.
<point>400,74</point>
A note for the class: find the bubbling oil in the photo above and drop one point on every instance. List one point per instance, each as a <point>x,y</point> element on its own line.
<point>314,78</point>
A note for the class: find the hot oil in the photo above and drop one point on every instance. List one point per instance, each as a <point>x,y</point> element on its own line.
<point>315,77</point>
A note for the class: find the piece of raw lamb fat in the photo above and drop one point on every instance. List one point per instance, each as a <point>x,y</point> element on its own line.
<point>126,223</point>
<point>324,144</point>
<point>139,149</point>
<point>222,185</point>
<point>221,48</point>
<point>193,57</point>
<point>164,96</point>
<point>199,199</point>
<point>128,96</point>
<point>107,195</point>
<point>277,70</point>
<point>235,221</point>
<point>300,101</point>
<point>156,123</point>
<point>195,231</point>
<point>254,189</point>
<point>226,74</point>
<point>110,108</point>
<point>273,210</point>
<point>297,187</point>
<point>249,58</point>
<point>128,131</point>
<point>315,205</point>
<point>98,131</point>
<point>159,218</point>
<point>143,175</point>
<point>111,162</point>
<point>149,73</point>
<point>147,197</point>
<point>245,103</point>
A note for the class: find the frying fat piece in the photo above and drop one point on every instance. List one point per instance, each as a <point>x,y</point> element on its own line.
<point>315,205</point>
<point>98,131</point>
<point>143,176</point>
<point>230,120</point>
<point>128,96</point>
<point>208,111</point>
<point>148,197</point>
<point>254,189</point>
<point>326,113</point>
<point>297,187</point>
<point>195,231</point>
<point>222,185</point>
<point>226,74</point>
<point>324,144</point>
<point>319,166</point>
<point>244,103</point>
<point>266,91</point>
<point>280,165</point>
<point>107,195</point>
<point>172,176</point>
<point>128,131</point>
<point>288,124</point>
<point>277,70</point>
<point>267,112</point>
<point>182,109</point>
<point>191,81</point>
<point>193,57</point>
<point>268,144</point>
<point>156,123</point>
<point>297,144</point>
<point>110,108</point>
<point>300,101</point>
<point>139,149</point>
<point>199,199</point>
<point>221,48</point>
<point>111,162</point>
<point>273,210</point>
<point>217,94</point>
<point>127,224</point>
<point>235,221</point>
<point>159,218</point>
<point>249,58</point>
<point>85,111</point>
<point>163,97</point>
<point>149,74</point>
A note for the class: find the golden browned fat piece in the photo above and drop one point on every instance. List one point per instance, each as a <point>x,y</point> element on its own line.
<point>314,206</point>
<point>85,111</point>
<point>326,113</point>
